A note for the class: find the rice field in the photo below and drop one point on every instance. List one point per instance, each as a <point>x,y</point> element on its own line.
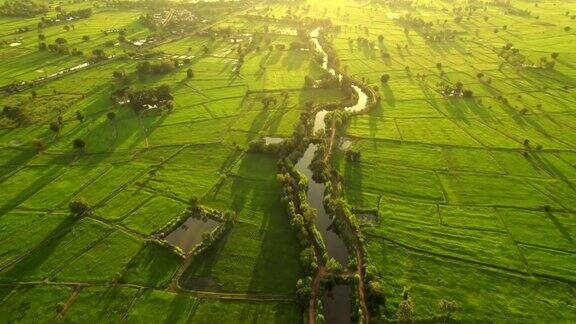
<point>474,197</point>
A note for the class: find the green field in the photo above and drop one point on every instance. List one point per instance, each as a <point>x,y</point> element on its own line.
<point>145,113</point>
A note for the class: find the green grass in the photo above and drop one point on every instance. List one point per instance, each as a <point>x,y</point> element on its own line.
<point>153,266</point>
<point>161,306</point>
<point>20,233</point>
<point>33,304</point>
<point>25,183</point>
<point>101,304</point>
<point>52,257</point>
<point>243,259</point>
<point>482,294</point>
<point>123,204</point>
<point>104,261</point>
<point>466,210</point>
<point>243,312</point>
<point>153,215</point>
<point>58,192</point>
<point>118,176</point>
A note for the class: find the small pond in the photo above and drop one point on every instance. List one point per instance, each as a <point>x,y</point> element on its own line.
<point>189,234</point>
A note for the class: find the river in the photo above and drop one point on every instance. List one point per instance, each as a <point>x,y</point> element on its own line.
<point>336,302</point>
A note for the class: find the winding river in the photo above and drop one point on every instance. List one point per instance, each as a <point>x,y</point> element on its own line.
<point>337,302</point>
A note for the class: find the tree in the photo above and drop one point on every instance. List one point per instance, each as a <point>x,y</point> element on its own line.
<point>80,116</point>
<point>39,144</point>
<point>480,75</point>
<point>374,296</point>
<point>98,55</point>
<point>385,78</point>
<point>60,41</point>
<point>189,74</point>
<point>267,101</point>
<point>526,142</point>
<point>304,290</point>
<point>163,93</point>
<point>439,66</point>
<point>308,82</point>
<point>86,38</point>
<point>405,309</point>
<point>447,307</point>
<point>78,207</point>
<point>55,126</point>
<point>555,55</point>
<point>194,204</point>
<point>119,75</point>
<point>458,86</point>
<point>111,117</point>
<point>79,144</point>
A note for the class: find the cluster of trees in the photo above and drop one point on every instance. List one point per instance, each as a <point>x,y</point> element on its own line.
<point>512,55</point>
<point>365,44</point>
<point>300,215</point>
<point>426,28</point>
<point>63,16</point>
<point>22,8</point>
<point>326,81</point>
<point>416,23</point>
<point>148,21</point>
<point>155,68</point>
<point>455,90</point>
<point>148,98</point>
<point>304,291</point>
<point>15,114</point>
<point>60,46</point>
<point>346,88</point>
<point>318,165</point>
<point>267,101</point>
<point>544,63</point>
<point>374,291</point>
<point>76,14</point>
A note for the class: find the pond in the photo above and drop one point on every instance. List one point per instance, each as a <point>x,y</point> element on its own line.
<point>189,234</point>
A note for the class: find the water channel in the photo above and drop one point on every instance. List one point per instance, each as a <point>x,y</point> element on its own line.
<point>336,301</point>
